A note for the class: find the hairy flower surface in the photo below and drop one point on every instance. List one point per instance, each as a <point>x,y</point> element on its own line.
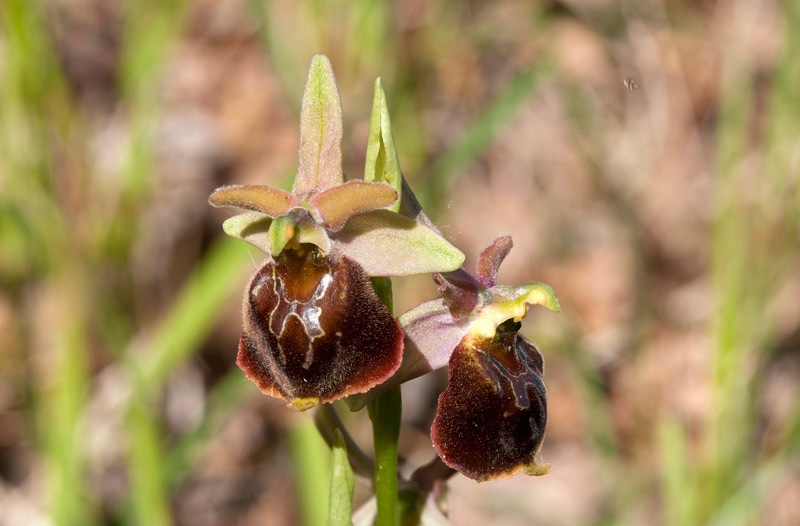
<point>314,330</point>
<point>311,318</point>
<point>491,418</point>
<point>490,421</point>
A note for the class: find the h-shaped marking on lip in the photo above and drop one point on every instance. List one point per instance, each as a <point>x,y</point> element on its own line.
<point>306,312</point>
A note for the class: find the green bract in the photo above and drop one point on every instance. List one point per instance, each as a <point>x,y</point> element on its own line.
<point>314,330</point>
<point>358,218</point>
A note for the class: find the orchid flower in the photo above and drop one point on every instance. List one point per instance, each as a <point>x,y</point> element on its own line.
<point>491,418</point>
<point>314,329</point>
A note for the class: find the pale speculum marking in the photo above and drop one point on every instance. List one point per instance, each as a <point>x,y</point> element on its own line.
<point>307,313</point>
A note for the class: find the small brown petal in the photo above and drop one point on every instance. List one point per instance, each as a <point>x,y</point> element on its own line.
<point>271,201</point>
<point>314,330</point>
<point>338,204</point>
<point>459,292</point>
<point>490,259</point>
<point>491,419</point>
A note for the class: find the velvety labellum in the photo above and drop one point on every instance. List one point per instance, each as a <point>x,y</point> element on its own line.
<point>490,421</point>
<point>314,330</point>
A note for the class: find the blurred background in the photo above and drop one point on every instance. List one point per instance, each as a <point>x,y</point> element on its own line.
<point>644,155</point>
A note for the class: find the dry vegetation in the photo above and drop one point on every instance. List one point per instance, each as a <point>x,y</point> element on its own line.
<point>644,155</point>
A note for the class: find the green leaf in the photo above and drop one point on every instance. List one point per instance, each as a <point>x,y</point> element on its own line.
<point>320,132</point>
<point>340,507</point>
<point>382,164</point>
<point>388,244</point>
<point>311,464</point>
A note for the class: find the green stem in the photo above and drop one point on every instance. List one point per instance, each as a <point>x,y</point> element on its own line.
<point>385,411</point>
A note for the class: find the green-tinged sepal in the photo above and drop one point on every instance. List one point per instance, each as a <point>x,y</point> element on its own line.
<point>252,227</point>
<point>382,164</point>
<point>320,155</point>
<point>303,404</point>
<point>388,244</point>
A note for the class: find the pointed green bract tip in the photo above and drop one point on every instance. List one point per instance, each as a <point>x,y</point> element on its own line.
<point>340,504</point>
<point>320,156</point>
<point>382,164</point>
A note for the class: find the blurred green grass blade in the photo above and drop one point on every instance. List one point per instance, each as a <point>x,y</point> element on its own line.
<point>62,409</point>
<point>753,247</point>
<point>784,120</point>
<point>734,277</point>
<point>745,506</point>
<point>150,29</point>
<point>340,510</point>
<point>370,32</point>
<point>28,82</point>
<point>145,465</point>
<point>479,136</point>
<point>33,106</point>
<point>284,57</point>
<point>191,318</point>
<point>311,463</point>
<point>783,130</point>
<point>679,490</point>
<point>182,330</point>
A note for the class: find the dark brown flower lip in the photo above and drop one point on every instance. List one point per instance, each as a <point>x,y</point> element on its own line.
<point>490,421</point>
<point>315,331</point>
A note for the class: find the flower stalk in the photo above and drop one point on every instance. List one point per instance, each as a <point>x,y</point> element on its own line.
<point>319,323</point>
<point>385,412</point>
